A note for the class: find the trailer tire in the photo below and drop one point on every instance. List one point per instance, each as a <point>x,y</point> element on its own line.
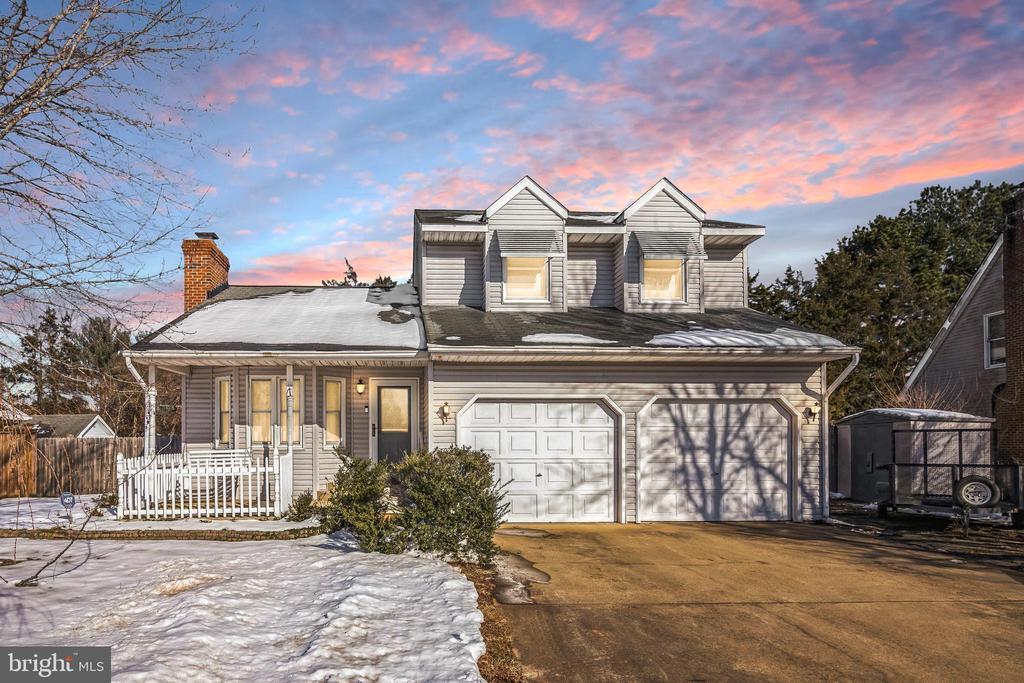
<point>976,491</point>
<point>884,511</point>
<point>1017,519</point>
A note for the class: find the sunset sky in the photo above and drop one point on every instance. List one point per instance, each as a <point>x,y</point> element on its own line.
<point>810,118</point>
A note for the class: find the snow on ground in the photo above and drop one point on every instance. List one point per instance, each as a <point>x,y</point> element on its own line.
<point>563,338</point>
<point>45,513</point>
<point>311,609</point>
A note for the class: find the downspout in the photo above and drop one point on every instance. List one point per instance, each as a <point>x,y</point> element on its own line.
<point>146,390</point>
<point>826,429</point>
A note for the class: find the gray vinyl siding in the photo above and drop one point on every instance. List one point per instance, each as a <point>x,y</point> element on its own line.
<point>725,278</point>
<point>311,460</point>
<point>957,368</point>
<point>661,213</point>
<point>590,276</point>
<point>453,275</point>
<point>524,212</point>
<point>630,387</point>
<point>632,291</point>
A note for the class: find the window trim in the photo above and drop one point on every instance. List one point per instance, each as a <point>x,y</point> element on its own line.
<point>217,410</point>
<point>248,406</point>
<point>683,273</point>
<point>343,421</point>
<point>299,393</point>
<point>504,282</point>
<point>989,365</point>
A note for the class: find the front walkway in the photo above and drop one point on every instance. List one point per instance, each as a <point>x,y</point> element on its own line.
<point>758,601</point>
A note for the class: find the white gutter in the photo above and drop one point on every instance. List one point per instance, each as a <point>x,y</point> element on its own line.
<point>329,355</point>
<point>843,375</point>
<point>149,391</point>
<point>839,352</point>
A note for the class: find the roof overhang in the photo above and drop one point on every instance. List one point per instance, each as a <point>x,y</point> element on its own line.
<point>527,183</point>
<point>179,357</point>
<point>731,237</point>
<point>672,191</point>
<point>454,233</point>
<point>542,353</point>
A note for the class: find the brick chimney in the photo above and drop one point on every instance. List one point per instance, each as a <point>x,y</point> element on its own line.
<point>206,268</point>
<point>1011,413</point>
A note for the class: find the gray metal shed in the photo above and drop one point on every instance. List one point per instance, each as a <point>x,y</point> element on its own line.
<point>867,442</point>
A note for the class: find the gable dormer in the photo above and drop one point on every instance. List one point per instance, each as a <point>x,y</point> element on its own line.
<point>525,250</point>
<point>662,251</point>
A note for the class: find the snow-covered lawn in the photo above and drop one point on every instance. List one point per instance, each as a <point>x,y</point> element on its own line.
<point>309,609</point>
<point>45,513</point>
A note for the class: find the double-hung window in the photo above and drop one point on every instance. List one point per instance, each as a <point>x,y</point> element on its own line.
<point>334,411</point>
<point>995,340</point>
<point>222,410</point>
<point>261,410</point>
<point>527,278</point>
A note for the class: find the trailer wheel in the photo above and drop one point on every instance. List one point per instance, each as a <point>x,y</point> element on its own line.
<point>976,492</point>
<point>884,511</point>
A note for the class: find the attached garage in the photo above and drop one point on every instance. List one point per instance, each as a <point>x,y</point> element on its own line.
<point>715,461</point>
<point>557,458</point>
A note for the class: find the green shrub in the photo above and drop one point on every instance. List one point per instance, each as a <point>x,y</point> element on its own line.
<point>302,508</point>
<point>450,503</point>
<point>358,501</point>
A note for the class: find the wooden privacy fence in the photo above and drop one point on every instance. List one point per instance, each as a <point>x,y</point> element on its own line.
<point>233,483</point>
<point>45,467</point>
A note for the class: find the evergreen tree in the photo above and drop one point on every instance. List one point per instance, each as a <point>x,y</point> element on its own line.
<point>351,279</point>
<point>48,365</point>
<point>889,285</point>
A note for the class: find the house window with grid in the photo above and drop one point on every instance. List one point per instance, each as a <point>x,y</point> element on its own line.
<point>261,410</point>
<point>222,410</point>
<point>334,411</point>
<point>995,340</point>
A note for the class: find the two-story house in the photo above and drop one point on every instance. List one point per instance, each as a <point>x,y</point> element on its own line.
<point>607,361</point>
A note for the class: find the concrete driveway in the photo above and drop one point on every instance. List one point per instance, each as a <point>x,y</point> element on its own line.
<point>679,602</point>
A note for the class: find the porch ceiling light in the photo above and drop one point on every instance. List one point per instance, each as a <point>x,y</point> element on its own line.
<point>360,386</point>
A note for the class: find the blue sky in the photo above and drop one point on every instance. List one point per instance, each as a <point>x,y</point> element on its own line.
<point>317,143</point>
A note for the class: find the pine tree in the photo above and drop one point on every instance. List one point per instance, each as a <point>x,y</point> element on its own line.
<point>889,285</point>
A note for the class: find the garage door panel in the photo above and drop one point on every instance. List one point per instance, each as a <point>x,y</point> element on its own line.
<point>571,445</point>
<point>714,461</point>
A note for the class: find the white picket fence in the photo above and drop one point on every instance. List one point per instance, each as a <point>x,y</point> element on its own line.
<point>225,483</point>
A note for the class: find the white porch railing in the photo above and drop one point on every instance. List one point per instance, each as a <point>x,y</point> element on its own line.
<point>222,483</point>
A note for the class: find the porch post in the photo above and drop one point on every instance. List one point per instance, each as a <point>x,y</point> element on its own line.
<point>151,412</point>
<point>286,462</point>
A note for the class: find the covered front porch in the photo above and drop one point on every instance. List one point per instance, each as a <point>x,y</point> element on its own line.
<point>259,429</point>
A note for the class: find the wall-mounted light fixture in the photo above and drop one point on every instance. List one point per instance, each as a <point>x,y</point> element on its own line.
<point>446,412</point>
<point>360,386</point>
<point>813,411</point>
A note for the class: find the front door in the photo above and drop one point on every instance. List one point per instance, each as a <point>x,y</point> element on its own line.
<point>394,422</point>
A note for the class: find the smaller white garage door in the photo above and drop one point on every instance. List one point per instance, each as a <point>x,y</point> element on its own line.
<point>557,459</point>
<point>715,461</point>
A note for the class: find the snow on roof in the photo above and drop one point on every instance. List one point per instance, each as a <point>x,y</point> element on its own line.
<point>11,413</point>
<point>608,218</point>
<point>917,414</point>
<point>564,338</point>
<point>780,337</point>
<point>311,318</point>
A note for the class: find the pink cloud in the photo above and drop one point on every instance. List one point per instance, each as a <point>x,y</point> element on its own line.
<point>376,87</point>
<point>526,64</point>
<point>408,59</point>
<point>310,266</point>
<point>255,75</point>
<point>583,19</point>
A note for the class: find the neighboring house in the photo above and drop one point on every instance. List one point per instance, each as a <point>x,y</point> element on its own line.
<point>607,361</point>
<point>965,364</point>
<point>82,426</point>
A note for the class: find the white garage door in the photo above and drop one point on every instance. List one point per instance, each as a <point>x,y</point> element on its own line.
<point>715,461</point>
<point>558,459</point>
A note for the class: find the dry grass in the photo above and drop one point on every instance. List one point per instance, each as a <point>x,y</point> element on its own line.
<point>500,663</point>
<point>920,396</point>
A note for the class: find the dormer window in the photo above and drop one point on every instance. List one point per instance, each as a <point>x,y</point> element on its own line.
<point>664,280</point>
<point>527,278</point>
